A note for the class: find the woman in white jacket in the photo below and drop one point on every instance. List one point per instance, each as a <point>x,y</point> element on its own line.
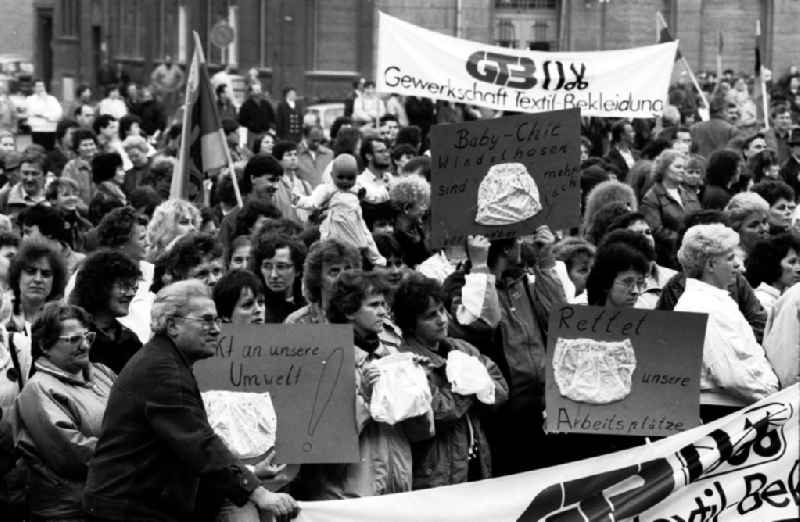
<point>43,112</point>
<point>735,371</point>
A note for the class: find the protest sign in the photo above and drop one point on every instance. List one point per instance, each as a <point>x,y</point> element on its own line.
<point>504,177</point>
<point>743,468</point>
<point>629,83</point>
<point>623,371</point>
<point>308,371</point>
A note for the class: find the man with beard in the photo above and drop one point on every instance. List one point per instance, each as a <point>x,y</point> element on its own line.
<point>29,191</point>
<point>313,156</point>
<point>376,177</point>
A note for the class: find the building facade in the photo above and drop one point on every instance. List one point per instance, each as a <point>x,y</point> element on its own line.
<point>321,46</point>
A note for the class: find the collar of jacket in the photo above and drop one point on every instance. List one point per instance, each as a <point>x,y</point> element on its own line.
<point>437,359</point>
<point>161,342</point>
<point>45,366</point>
<point>510,277</point>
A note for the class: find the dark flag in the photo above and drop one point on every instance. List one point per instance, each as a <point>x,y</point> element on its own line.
<point>203,144</point>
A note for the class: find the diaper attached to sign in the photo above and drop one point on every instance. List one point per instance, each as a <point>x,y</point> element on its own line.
<point>594,372</point>
<point>246,422</point>
<point>507,195</point>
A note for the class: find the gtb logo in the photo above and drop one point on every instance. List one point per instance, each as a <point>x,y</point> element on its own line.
<point>519,72</point>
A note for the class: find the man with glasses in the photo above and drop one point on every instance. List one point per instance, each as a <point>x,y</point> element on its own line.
<point>157,457</point>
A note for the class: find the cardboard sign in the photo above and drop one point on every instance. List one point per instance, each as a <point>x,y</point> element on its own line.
<point>623,371</point>
<point>505,177</point>
<point>308,371</point>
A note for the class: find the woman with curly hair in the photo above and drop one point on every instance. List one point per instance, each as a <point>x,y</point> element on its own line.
<point>172,219</point>
<point>772,267</point>
<point>325,261</point>
<point>278,260</point>
<point>105,287</point>
<point>37,275</point>
<point>411,196</point>
<point>459,452</point>
<point>59,413</point>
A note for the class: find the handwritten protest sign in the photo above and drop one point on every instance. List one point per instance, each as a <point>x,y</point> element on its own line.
<point>308,371</point>
<point>623,371</point>
<point>505,177</point>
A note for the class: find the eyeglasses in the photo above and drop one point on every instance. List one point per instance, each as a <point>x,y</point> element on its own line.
<point>280,267</point>
<point>78,337</point>
<point>127,287</point>
<point>207,321</point>
<point>632,284</point>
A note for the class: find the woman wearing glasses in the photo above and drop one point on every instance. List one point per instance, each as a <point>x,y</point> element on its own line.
<point>105,286</point>
<point>618,275</point>
<point>278,259</point>
<point>60,412</point>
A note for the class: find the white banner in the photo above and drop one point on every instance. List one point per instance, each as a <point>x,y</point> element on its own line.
<point>743,467</point>
<point>624,83</point>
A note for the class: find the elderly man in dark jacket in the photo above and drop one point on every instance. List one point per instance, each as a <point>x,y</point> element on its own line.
<point>157,457</point>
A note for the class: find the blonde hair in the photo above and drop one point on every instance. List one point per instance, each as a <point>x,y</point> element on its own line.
<point>742,205</point>
<point>408,191</point>
<point>703,242</point>
<point>162,228</point>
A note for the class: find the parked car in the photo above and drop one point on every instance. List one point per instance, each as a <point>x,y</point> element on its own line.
<point>323,114</point>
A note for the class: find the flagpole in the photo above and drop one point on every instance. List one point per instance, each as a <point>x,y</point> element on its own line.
<point>176,185</point>
<point>232,170</point>
<point>719,57</point>
<point>237,193</point>
<point>660,20</point>
<point>764,93</point>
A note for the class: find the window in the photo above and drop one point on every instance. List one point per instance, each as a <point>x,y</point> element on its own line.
<point>168,34</point>
<point>218,11</point>
<point>506,34</point>
<point>126,32</point>
<point>70,18</point>
<point>543,38</point>
<point>263,52</point>
<point>335,35</point>
<point>525,4</point>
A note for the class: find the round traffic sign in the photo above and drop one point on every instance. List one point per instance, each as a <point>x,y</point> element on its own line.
<point>222,34</point>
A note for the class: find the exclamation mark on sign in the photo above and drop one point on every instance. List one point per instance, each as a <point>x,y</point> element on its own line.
<point>328,380</point>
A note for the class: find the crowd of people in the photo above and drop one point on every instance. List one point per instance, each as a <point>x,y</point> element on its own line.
<point>111,289</point>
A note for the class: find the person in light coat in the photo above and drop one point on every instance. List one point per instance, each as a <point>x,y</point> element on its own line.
<point>782,337</point>
<point>735,372</point>
<point>43,112</point>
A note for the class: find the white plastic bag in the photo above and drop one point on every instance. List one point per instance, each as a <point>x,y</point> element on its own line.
<point>246,422</point>
<point>507,195</point>
<point>468,375</point>
<point>401,391</point>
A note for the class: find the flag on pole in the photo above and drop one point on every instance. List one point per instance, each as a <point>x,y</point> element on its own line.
<point>203,144</point>
<point>761,75</point>
<point>664,35</point>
